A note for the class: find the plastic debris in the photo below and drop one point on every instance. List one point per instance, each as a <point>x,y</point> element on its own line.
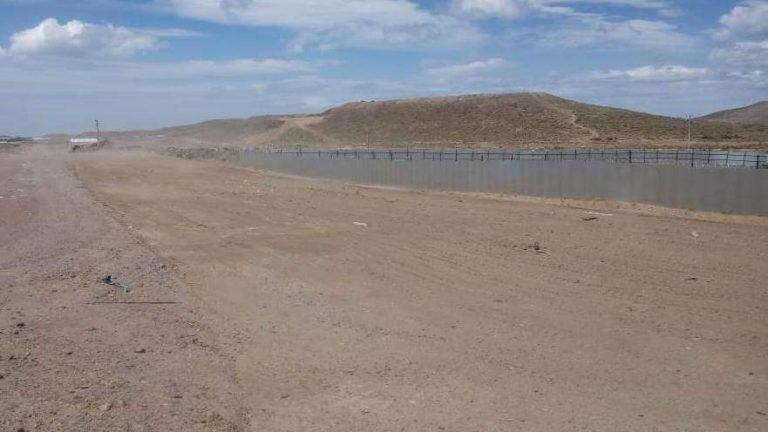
<point>109,281</point>
<point>598,213</point>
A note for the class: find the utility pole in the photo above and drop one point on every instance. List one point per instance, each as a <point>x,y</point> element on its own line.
<point>98,132</point>
<point>690,122</point>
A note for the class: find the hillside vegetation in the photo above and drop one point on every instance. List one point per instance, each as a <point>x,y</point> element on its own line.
<point>514,120</point>
<point>756,114</point>
<point>520,120</point>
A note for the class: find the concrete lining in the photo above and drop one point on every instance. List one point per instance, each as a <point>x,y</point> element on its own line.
<point>719,189</point>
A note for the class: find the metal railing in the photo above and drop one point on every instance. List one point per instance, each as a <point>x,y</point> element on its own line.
<point>702,158</point>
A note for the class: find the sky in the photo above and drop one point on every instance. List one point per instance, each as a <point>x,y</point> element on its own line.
<point>144,64</point>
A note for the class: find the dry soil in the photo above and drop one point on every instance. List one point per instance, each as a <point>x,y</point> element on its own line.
<point>324,306</point>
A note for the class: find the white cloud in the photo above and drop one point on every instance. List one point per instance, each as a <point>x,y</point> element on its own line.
<point>490,8</point>
<point>93,77</point>
<point>641,4</point>
<point>597,31</point>
<point>743,35</point>
<point>329,23</point>
<point>511,9</point>
<point>79,39</point>
<point>758,78</point>
<point>468,69</point>
<point>743,53</point>
<point>671,12</point>
<point>208,68</point>
<point>746,19</point>
<point>654,73</point>
<point>575,25</point>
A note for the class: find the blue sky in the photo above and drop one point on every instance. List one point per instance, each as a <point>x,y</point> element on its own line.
<point>151,63</point>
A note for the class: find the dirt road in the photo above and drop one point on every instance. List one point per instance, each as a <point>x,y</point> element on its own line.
<point>79,355</point>
<point>350,308</point>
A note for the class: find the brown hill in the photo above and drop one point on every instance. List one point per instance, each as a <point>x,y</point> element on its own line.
<point>752,114</point>
<point>505,120</point>
<point>211,132</point>
<point>522,119</point>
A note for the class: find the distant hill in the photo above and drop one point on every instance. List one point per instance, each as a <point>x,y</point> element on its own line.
<point>504,120</point>
<point>752,114</point>
<point>513,120</point>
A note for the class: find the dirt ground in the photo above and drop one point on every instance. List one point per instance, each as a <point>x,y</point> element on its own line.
<point>324,306</point>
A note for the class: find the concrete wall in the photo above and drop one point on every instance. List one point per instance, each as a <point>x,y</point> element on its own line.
<point>732,190</point>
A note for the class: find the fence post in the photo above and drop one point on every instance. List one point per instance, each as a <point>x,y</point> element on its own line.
<point>692,158</point>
